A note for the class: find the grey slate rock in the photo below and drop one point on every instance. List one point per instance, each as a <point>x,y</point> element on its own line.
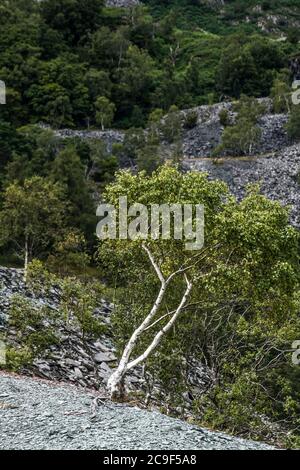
<point>104,357</point>
<point>58,417</point>
<point>278,175</point>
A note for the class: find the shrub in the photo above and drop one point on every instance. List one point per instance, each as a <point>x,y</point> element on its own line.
<point>16,359</point>
<point>293,125</point>
<point>241,138</point>
<point>191,119</point>
<point>172,125</point>
<point>224,117</point>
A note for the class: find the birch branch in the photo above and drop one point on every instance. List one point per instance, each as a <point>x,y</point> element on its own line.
<point>164,330</point>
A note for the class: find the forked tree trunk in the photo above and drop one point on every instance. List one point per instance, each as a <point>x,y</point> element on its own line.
<point>116,381</point>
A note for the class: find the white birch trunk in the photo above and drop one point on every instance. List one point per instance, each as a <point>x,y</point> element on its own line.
<point>115,382</point>
<point>156,341</point>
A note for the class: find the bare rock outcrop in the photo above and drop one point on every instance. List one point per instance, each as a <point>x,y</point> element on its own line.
<point>277,173</point>
<point>122,3</point>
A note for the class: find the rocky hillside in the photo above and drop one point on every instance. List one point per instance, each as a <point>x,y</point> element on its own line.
<point>277,174</point>
<point>37,415</point>
<point>51,415</point>
<point>207,134</point>
<point>201,140</point>
<point>82,361</point>
<point>270,17</point>
<point>122,3</point>
<point>275,165</point>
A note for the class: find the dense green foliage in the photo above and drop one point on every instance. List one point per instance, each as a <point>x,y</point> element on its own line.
<point>74,63</point>
<point>78,64</point>
<point>65,61</point>
<point>225,19</point>
<point>38,165</point>
<point>242,316</point>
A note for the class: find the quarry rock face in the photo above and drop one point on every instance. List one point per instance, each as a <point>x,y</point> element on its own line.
<point>275,162</point>
<point>278,175</point>
<point>109,137</point>
<point>73,358</point>
<point>201,140</point>
<point>122,3</point>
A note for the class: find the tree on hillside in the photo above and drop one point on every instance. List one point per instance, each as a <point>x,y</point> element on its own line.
<point>172,125</point>
<point>247,269</point>
<point>293,125</point>
<point>241,138</point>
<point>134,140</point>
<point>10,140</point>
<point>98,84</point>
<point>103,164</point>
<point>136,79</point>
<point>34,157</point>
<point>74,19</point>
<point>69,254</point>
<point>281,95</point>
<point>149,157</point>
<point>105,111</point>
<point>52,103</point>
<point>68,171</point>
<point>32,217</point>
<point>248,66</point>
<point>108,47</point>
